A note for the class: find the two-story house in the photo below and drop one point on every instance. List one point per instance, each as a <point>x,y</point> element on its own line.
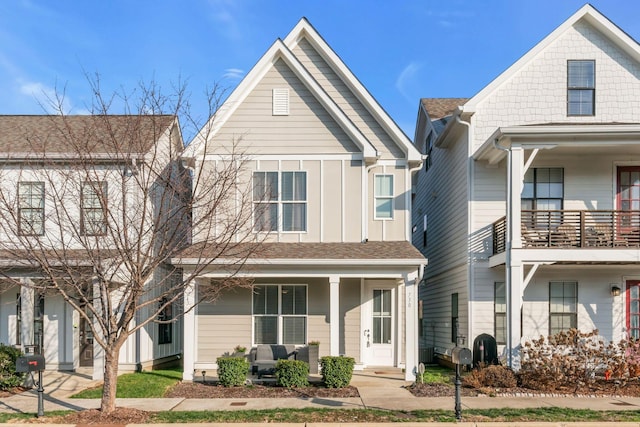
<point>528,206</point>
<point>70,188</point>
<point>330,176</point>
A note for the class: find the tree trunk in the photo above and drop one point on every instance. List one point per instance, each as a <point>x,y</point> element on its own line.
<point>108,402</point>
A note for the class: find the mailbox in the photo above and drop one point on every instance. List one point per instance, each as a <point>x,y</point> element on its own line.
<point>30,363</point>
<point>461,356</point>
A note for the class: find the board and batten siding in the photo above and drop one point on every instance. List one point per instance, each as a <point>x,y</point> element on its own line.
<point>537,93</point>
<point>350,327</point>
<point>308,127</point>
<point>347,101</point>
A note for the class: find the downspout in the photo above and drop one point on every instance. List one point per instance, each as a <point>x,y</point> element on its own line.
<point>508,246</point>
<point>365,201</point>
<point>470,275</point>
<point>423,157</point>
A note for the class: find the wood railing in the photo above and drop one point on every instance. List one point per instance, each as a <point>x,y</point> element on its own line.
<point>573,229</point>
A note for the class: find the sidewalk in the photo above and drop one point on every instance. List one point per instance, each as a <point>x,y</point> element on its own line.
<point>378,390</point>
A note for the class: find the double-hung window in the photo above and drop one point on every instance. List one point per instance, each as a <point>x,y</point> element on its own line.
<point>280,201</point>
<point>581,88</point>
<point>563,303</point>
<point>280,314</point>
<point>31,208</point>
<point>383,192</point>
<point>93,218</point>
<point>165,316</point>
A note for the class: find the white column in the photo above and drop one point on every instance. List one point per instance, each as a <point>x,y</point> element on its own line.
<point>516,177</point>
<point>514,307</point>
<point>411,322</point>
<point>26,308</point>
<point>190,331</point>
<point>334,314</point>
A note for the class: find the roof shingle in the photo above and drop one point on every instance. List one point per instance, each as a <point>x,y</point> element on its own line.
<point>441,107</point>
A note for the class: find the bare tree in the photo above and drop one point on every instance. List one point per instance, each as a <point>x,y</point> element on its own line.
<point>94,208</point>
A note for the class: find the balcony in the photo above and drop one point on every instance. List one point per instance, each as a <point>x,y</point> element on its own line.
<point>572,229</point>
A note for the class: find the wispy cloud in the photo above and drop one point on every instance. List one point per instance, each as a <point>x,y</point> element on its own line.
<point>226,14</point>
<point>50,99</point>
<point>233,74</point>
<point>406,77</point>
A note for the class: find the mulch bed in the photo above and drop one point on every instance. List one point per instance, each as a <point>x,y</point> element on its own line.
<point>212,390</point>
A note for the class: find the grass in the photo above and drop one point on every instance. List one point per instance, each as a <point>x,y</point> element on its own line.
<point>436,374</point>
<point>138,385</point>
<point>315,415</point>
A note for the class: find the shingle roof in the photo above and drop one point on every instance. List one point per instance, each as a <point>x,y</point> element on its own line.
<point>441,107</point>
<point>398,250</point>
<point>99,134</point>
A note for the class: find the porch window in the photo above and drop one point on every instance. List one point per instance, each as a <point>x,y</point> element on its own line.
<point>280,201</point>
<point>543,189</point>
<point>31,208</point>
<point>454,318</point>
<point>383,192</point>
<point>500,312</point>
<point>581,88</point>
<point>93,218</point>
<point>165,330</point>
<point>280,314</point>
<point>563,303</point>
<point>633,309</point>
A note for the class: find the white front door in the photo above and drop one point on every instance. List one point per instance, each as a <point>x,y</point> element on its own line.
<point>378,323</point>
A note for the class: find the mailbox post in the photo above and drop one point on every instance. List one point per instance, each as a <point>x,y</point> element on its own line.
<point>460,356</point>
<point>33,363</point>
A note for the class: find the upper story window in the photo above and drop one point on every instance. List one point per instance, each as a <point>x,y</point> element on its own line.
<point>428,151</point>
<point>280,201</point>
<point>581,88</point>
<point>93,216</point>
<point>31,208</point>
<point>383,192</point>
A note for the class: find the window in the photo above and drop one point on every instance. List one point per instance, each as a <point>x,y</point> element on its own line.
<point>424,231</point>
<point>93,218</point>
<point>428,151</point>
<point>633,309</point>
<point>165,330</point>
<point>581,88</point>
<point>280,314</point>
<point>381,316</point>
<point>563,302</point>
<point>543,190</point>
<point>454,318</point>
<point>383,196</point>
<point>31,208</point>
<point>18,319</point>
<point>280,201</point>
<point>500,312</point>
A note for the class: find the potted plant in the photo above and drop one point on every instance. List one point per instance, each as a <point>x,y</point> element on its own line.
<point>314,350</point>
<point>239,350</point>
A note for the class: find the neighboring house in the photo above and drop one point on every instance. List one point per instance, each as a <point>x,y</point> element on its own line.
<point>528,207</point>
<point>331,175</point>
<point>64,180</point>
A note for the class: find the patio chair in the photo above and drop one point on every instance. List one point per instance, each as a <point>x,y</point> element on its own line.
<point>532,238</point>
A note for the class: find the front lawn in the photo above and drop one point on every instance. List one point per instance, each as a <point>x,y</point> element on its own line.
<point>139,385</point>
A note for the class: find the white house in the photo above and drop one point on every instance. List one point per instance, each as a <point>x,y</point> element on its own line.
<point>67,186</point>
<point>331,176</point>
<point>528,206</point>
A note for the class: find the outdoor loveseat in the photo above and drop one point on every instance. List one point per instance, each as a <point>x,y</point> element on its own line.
<point>266,356</point>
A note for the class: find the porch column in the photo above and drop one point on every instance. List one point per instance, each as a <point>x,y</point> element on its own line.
<point>514,308</point>
<point>516,177</point>
<point>334,314</point>
<point>190,331</point>
<point>26,314</point>
<point>411,322</point>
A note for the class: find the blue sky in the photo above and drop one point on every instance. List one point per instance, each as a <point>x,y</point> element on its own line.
<point>400,50</point>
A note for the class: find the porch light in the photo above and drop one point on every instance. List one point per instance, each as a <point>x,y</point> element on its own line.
<point>615,290</point>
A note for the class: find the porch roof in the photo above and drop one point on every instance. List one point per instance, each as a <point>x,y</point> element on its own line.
<point>392,252</point>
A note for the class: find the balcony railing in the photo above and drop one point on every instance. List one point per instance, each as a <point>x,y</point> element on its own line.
<point>573,229</point>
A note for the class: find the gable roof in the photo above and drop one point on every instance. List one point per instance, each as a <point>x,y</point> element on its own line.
<point>72,136</point>
<point>587,13</point>
<point>283,50</point>
<point>438,108</point>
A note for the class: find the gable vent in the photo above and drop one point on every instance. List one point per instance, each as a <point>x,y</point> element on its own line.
<point>280,102</point>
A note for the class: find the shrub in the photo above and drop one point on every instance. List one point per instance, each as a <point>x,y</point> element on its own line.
<point>493,376</point>
<point>232,371</point>
<point>8,376</point>
<point>336,370</point>
<point>292,373</point>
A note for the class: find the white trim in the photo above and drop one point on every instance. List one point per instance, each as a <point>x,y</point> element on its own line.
<point>343,210</point>
<point>392,198</point>
<point>305,30</point>
<point>284,157</point>
<point>401,262</point>
<point>321,178</point>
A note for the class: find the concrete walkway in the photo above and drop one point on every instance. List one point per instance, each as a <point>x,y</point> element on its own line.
<point>379,389</point>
